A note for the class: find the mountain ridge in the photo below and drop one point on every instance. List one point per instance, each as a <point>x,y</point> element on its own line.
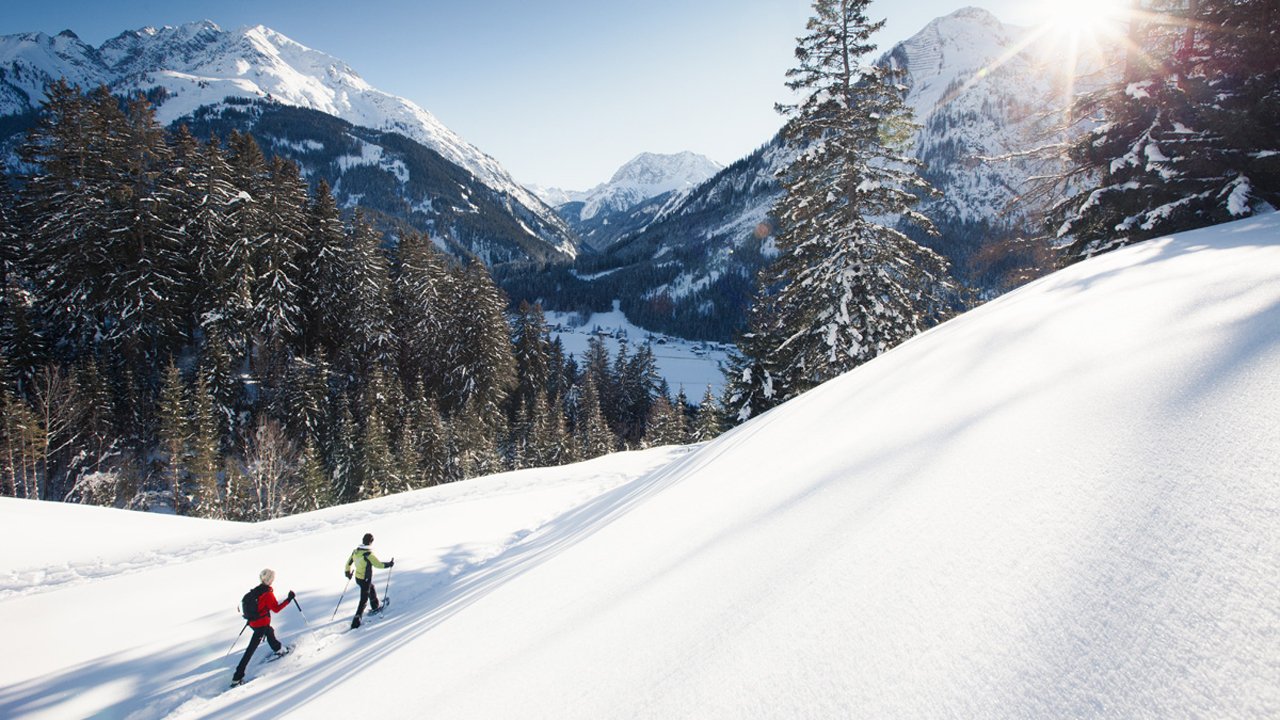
<point>198,65</point>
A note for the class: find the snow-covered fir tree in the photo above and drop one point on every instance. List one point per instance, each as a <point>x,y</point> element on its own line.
<point>708,422</point>
<point>665,424</point>
<point>204,459</point>
<point>1187,138</point>
<point>594,438</point>
<point>418,283</point>
<point>174,436</point>
<point>325,262</point>
<point>847,284</point>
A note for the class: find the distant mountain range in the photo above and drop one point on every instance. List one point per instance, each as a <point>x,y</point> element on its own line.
<point>287,95</point>
<point>675,238</point>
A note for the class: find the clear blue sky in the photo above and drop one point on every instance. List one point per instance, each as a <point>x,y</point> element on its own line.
<point>561,92</point>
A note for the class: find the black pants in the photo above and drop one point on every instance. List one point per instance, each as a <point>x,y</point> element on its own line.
<point>368,594</point>
<point>258,634</point>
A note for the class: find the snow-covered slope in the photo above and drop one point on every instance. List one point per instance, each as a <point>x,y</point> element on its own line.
<point>1062,504</point>
<point>200,64</point>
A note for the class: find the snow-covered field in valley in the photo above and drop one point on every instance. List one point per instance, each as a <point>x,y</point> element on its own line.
<point>1063,504</point>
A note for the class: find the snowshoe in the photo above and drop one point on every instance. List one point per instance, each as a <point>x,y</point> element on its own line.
<point>280,653</point>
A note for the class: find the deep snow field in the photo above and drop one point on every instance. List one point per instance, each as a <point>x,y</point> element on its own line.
<point>1065,503</point>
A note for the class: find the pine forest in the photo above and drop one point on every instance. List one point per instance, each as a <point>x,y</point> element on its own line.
<point>189,325</point>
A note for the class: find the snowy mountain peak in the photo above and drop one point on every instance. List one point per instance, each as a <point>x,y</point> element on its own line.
<point>199,64</point>
<point>645,176</point>
<point>666,172</point>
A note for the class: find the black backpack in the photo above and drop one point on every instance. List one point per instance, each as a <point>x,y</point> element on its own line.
<point>249,603</point>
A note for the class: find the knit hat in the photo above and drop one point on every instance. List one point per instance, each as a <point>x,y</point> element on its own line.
<point>368,539</point>
<point>267,576</point>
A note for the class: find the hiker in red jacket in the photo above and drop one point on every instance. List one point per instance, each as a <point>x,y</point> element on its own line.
<point>266,604</point>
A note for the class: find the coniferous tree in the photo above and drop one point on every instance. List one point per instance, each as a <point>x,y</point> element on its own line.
<point>847,285</point>
<point>248,219</point>
<point>637,387</point>
<point>473,440</point>
<point>174,437</point>
<point>532,344</point>
<point>200,208</point>
<point>418,285</point>
<point>314,489</point>
<point>708,423</point>
<point>369,339</point>
<point>375,469</point>
<point>341,451</point>
<point>592,431</point>
<point>665,424</point>
<point>277,319</point>
<point>205,456</point>
<point>559,379</point>
<point>66,203</point>
<point>99,447</point>
<point>549,441</point>
<point>477,366</point>
<point>224,220</point>
<point>147,305</point>
<point>1188,137</point>
<point>12,253</point>
<point>218,365</point>
<point>754,376</point>
<point>303,399</point>
<point>432,442</point>
<point>325,264</point>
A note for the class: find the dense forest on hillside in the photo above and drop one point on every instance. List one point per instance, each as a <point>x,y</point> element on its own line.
<point>190,325</point>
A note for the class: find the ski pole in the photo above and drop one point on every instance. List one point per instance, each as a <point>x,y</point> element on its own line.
<point>344,594</point>
<point>304,616</point>
<point>386,589</point>
<point>233,642</point>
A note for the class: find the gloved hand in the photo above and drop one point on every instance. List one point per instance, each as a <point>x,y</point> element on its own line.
<point>348,574</point>
<point>391,563</point>
<point>291,595</point>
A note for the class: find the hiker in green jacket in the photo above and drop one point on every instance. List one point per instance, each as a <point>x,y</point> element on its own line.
<point>361,565</point>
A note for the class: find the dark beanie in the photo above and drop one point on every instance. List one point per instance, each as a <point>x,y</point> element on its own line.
<point>368,539</point>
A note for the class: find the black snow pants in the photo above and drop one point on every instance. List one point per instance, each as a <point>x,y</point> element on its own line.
<point>258,633</point>
<point>368,594</point>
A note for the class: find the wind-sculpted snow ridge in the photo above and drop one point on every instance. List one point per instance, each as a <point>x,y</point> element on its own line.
<point>1061,504</point>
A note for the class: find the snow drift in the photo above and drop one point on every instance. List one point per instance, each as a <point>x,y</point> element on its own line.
<point>1062,504</point>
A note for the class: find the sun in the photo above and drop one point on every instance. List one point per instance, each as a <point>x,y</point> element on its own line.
<point>1081,19</point>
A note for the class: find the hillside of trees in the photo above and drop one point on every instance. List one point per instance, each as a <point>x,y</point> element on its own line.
<point>189,325</point>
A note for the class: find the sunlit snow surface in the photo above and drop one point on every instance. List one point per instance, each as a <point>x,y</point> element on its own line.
<point>1063,504</point>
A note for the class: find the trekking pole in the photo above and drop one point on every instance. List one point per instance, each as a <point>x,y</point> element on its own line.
<point>304,616</point>
<point>344,593</point>
<point>233,642</point>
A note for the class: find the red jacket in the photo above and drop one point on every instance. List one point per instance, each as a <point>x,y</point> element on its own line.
<point>267,602</point>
